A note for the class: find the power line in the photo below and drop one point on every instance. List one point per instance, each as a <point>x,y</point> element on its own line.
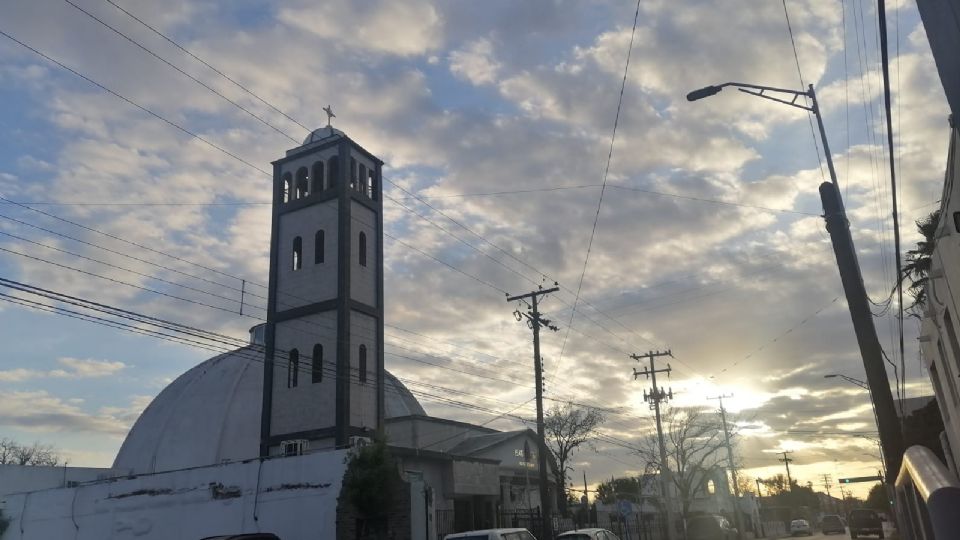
<point>198,59</point>
<point>606,171</point>
<point>796,57</point>
<point>182,72</point>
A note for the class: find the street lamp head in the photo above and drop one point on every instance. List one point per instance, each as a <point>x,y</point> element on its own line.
<point>704,92</point>
<point>829,376</point>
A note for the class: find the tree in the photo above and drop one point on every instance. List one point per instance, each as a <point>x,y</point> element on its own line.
<point>877,499</point>
<point>567,428</point>
<point>371,480</point>
<point>746,483</point>
<point>695,450</point>
<point>14,453</point>
<point>919,259</point>
<point>776,484</point>
<point>923,427</point>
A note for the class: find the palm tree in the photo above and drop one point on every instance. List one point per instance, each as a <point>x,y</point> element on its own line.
<point>919,259</point>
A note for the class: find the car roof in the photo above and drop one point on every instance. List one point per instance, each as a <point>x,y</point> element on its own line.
<point>584,530</point>
<point>484,531</point>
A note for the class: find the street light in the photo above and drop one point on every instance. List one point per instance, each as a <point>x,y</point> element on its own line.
<point>846,254</point>
<point>764,92</point>
<point>857,382</point>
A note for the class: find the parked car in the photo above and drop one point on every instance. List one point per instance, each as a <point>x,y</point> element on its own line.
<point>800,526</point>
<point>831,523</point>
<point>588,534</point>
<point>865,521</point>
<point>492,534</point>
<point>710,527</point>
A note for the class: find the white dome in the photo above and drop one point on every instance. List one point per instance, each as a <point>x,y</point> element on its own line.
<point>322,133</point>
<point>211,414</point>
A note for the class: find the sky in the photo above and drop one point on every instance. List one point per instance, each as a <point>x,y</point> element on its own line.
<point>499,117</point>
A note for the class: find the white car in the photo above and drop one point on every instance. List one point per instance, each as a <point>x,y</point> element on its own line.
<point>588,534</point>
<point>800,526</point>
<point>492,534</point>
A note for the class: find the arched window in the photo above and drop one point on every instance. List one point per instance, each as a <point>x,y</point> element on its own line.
<point>711,487</point>
<point>316,177</point>
<point>287,184</point>
<point>363,248</point>
<point>317,371</point>
<point>297,253</point>
<point>318,247</point>
<point>353,173</point>
<point>293,368</point>
<point>363,364</point>
<point>333,171</point>
<point>303,185</point>
<point>362,180</point>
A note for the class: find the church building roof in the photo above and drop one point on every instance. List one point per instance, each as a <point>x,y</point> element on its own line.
<point>211,414</point>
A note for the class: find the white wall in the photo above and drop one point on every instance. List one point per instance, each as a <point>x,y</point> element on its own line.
<point>20,478</point>
<point>293,497</point>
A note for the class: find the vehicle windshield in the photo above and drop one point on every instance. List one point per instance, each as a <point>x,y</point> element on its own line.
<point>831,520</point>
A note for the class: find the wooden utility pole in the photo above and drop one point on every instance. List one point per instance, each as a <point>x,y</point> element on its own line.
<point>535,321</point>
<point>888,424</point>
<point>655,396</point>
<point>733,466</point>
<point>760,509</point>
<point>786,461</point>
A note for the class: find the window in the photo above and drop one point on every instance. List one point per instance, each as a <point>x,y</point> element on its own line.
<point>363,364</point>
<point>938,388</point>
<point>318,247</point>
<point>333,171</point>
<point>293,368</point>
<point>362,180</point>
<point>317,371</point>
<point>287,181</point>
<point>353,173</point>
<point>303,186</point>
<point>363,249</point>
<point>950,362</point>
<point>316,177</point>
<point>372,184</point>
<point>297,253</point>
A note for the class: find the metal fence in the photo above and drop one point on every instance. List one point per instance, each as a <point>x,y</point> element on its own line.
<point>927,497</point>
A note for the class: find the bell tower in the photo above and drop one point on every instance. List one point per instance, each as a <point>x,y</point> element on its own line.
<point>323,369</point>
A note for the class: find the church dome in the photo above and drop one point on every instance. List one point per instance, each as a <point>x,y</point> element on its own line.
<point>211,414</point>
<point>320,134</point>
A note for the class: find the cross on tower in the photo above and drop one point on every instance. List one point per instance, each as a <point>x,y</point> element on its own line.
<point>330,116</point>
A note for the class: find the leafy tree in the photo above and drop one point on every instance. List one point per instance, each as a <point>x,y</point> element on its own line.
<point>775,484</point>
<point>695,450</point>
<point>877,499</point>
<point>371,480</point>
<point>14,453</point>
<point>919,259</point>
<point>629,488</point>
<point>567,428</point>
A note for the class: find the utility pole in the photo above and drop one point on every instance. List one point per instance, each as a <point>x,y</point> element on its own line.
<point>655,396</point>
<point>535,321</point>
<point>827,485</point>
<point>760,509</point>
<point>786,461</point>
<point>891,435</point>
<point>733,467</point>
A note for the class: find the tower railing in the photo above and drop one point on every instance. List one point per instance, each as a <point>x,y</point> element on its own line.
<point>928,497</point>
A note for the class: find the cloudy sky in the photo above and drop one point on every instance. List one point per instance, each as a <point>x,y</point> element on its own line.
<point>499,115</point>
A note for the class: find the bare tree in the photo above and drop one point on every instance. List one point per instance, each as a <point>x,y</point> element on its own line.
<point>14,453</point>
<point>567,428</point>
<point>695,450</point>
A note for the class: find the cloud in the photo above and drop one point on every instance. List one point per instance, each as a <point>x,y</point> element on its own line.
<point>475,62</point>
<point>73,368</point>
<point>41,411</point>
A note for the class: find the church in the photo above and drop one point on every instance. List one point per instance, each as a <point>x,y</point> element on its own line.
<point>258,439</point>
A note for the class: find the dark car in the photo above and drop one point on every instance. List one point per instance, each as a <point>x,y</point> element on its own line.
<point>865,521</point>
<point>710,527</point>
<point>248,536</point>
<point>831,523</point>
